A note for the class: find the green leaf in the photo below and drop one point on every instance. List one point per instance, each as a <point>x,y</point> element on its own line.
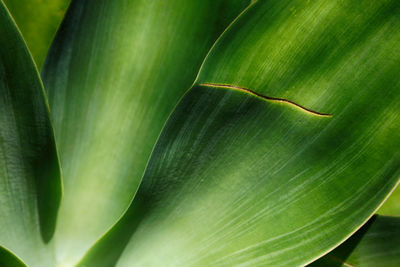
<point>375,244</point>
<point>38,21</point>
<point>286,144</point>
<point>30,182</point>
<point>8,259</point>
<point>391,207</point>
<point>114,73</point>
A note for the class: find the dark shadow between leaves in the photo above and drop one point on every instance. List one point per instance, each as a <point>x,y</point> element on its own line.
<point>338,257</point>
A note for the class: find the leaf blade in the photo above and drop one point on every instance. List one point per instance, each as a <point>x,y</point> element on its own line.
<point>8,259</point>
<point>114,73</point>
<point>337,174</point>
<point>38,22</point>
<point>30,175</point>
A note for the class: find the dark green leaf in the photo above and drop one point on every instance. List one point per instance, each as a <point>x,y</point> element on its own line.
<point>30,185</point>
<point>8,259</point>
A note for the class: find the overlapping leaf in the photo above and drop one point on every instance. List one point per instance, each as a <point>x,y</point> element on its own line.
<point>375,244</point>
<point>8,259</point>
<point>30,186</point>
<point>114,74</point>
<point>286,143</point>
<point>38,21</point>
<point>250,169</point>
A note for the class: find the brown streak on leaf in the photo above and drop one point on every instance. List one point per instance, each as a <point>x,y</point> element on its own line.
<point>268,98</point>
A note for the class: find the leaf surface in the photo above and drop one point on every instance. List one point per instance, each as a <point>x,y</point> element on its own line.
<point>287,143</point>
<point>114,73</point>
<point>30,182</point>
<point>391,207</point>
<point>38,21</point>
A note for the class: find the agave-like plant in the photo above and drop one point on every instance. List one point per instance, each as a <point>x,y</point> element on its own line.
<point>199,132</point>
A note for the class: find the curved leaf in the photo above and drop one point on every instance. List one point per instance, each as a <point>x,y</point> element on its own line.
<point>38,21</point>
<point>113,75</point>
<point>7,259</point>
<point>285,146</point>
<point>30,183</point>
<point>375,244</point>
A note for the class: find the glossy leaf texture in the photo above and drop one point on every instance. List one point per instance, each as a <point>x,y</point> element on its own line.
<point>287,143</point>
<point>38,21</point>
<point>114,73</point>
<point>30,182</point>
<point>375,244</point>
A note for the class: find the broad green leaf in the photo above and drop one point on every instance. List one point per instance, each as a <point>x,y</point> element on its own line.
<point>30,185</point>
<point>38,21</point>
<point>286,144</point>
<point>8,259</point>
<point>114,73</point>
<point>375,244</point>
<point>391,207</point>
